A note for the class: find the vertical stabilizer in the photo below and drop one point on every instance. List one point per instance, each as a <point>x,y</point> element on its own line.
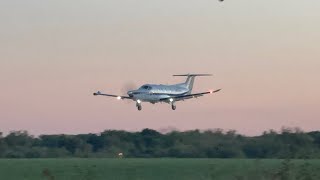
<point>189,83</point>
<point>190,80</point>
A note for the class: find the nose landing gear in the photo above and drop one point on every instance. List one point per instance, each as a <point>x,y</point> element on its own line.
<point>138,104</point>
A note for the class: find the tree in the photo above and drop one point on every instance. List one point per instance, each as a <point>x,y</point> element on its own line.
<point>3,145</point>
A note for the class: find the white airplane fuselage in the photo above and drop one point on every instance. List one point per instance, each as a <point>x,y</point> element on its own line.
<point>154,93</point>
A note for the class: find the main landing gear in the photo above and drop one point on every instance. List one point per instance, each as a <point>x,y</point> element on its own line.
<point>173,107</point>
<point>139,107</point>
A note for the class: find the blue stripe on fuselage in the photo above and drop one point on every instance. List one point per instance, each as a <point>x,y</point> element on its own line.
<point>169,94</point>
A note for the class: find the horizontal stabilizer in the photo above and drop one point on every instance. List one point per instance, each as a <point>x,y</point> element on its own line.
<point>192,75</point>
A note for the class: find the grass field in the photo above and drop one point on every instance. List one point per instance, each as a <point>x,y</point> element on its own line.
<point>157,169</point>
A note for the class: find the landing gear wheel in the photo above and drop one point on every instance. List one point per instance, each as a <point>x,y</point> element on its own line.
<point>139,106</point>
<point>173,107</point>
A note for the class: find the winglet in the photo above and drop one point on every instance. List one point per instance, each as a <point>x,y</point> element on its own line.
<point>211,92</point>
<point>97,93</point>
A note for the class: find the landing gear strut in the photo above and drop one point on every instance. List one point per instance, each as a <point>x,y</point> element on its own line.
<point>173,106</point>
<point>139,106</point>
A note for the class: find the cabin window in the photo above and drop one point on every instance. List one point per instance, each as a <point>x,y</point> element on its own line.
<point>146,87</point>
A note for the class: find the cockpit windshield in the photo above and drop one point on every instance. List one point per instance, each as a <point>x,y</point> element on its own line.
<point>146,87</point>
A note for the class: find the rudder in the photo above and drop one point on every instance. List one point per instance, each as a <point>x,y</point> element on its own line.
<point>190,80</point>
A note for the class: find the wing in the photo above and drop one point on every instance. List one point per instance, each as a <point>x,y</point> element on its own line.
<point>189,96</point>
<point>111,95</point>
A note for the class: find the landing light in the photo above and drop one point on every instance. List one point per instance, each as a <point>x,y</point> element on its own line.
<point>211,91</point>
<point>119,97</point>
<point>138,101</point>
<point>171,100</point>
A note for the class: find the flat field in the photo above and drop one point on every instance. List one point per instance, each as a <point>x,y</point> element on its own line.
<point>158,169</point>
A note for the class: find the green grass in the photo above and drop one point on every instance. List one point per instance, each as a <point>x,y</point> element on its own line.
<point>158,169</point>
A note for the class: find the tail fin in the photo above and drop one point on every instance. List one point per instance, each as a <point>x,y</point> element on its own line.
<point>190,80</point>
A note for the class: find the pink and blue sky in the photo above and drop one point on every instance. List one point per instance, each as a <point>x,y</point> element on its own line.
<point>264,54</point>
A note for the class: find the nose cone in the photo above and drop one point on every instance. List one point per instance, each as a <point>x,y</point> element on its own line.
<point>130,93</point>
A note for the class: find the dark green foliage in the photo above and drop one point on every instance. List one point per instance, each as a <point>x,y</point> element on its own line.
<point>289,143</point>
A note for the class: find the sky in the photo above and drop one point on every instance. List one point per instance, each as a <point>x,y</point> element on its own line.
<point>264,54</point>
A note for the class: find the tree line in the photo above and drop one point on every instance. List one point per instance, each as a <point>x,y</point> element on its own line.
<point>288,143</point>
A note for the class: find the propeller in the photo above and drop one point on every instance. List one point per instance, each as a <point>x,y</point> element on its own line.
<point>128,87</point>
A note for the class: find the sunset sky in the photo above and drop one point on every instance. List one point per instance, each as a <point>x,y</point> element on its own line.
<point>264,54</point>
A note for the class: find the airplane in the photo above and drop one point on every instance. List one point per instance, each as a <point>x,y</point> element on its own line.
<point>154,93</point>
